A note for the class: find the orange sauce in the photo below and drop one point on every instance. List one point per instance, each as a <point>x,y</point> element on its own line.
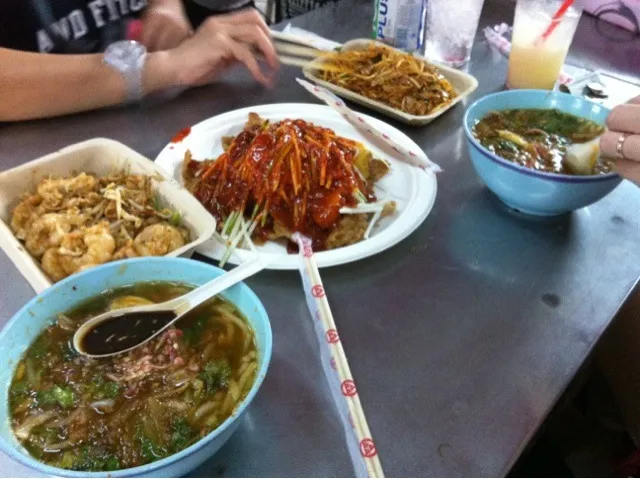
<point>296,173</point>
<point>181,135</point>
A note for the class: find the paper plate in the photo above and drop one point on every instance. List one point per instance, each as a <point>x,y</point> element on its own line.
<point>413,190</point>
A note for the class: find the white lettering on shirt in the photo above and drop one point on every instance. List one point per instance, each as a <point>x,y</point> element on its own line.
<point>61,28</point>
<point>96,11</point>
<point>113,13</point>
<point>78,24</point>
<point>137,5</point>
<point>124,8</point>
<point>45,44</point>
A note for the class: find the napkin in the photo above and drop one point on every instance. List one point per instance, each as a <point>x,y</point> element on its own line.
<point>305,37</point>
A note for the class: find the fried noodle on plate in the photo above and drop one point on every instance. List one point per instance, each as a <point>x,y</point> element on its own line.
<point>389,76</point>
<point>289,176</point>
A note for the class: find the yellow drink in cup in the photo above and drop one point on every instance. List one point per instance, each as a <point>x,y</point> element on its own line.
<point>535,62</point>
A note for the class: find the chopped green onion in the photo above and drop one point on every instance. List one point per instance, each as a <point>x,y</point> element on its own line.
<point>229,223</point>
<point>175,218</point>
<point>360,198</point>
<point>255,212</point>
<point>233,226</point>
<point>156,203</point>
<point>234,239</point>
<point>225,225</point>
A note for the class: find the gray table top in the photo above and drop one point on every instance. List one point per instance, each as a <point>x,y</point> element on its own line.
<point>461,338</point>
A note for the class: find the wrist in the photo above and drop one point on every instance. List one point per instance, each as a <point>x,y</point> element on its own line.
<point>173,5</point>
<point>160,72</point>
<point>162,3</point>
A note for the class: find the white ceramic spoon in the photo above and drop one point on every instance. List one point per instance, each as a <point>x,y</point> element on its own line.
<point>581,157</point>
<point>131,327</point>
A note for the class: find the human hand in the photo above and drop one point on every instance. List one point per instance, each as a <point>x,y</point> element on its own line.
<point>164,25</point>
<point>221,42</point>
<point>624,120</point>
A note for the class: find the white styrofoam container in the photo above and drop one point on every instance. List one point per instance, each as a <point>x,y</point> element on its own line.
<point>463,83</point>
<point>100,156</point>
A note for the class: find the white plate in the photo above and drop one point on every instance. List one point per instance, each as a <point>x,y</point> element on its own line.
<point>100,156</point>
<point>413,190</point>
<point>463,83</point>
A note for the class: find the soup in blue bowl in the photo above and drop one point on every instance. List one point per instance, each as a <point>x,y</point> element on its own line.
<point>517,140</point>
<point>158,410</point>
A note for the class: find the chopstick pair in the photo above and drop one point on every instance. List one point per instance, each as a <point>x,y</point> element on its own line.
<point>362,449</point>
<point>300,56</point>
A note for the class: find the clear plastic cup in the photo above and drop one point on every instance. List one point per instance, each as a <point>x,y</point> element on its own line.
<point>535,62</point>
<point>450,30</point>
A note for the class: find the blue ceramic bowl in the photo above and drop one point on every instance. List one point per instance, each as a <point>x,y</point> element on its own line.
<point>524,189</point>
<point>23,328</point>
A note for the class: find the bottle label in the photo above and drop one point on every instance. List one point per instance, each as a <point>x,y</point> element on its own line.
<point>400,23</point>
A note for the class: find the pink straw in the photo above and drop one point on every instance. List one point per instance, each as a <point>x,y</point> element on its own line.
<point>555,21</point>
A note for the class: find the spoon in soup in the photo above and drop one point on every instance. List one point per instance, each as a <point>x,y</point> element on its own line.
<point>582,157</point>
<point>122,330</point>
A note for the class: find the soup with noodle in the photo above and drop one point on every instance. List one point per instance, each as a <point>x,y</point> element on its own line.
<point>85,414</point>
<point>539,139</point>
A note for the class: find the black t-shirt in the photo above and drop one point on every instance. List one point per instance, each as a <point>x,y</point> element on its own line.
<point>65,26</point>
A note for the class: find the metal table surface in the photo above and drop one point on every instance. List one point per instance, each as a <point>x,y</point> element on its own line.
<point>461,338</point>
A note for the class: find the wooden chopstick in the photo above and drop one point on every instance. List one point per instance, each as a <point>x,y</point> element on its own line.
<point>320,310</point>
<point>299,56</point>
<point>294,62</point>
<point>301,62</point>
<point>297,50</point>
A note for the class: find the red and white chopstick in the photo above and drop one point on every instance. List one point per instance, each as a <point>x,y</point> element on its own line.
<point>417,158</point>
<point>363,450</point>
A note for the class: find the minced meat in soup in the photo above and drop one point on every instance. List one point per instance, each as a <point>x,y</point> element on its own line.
<point>537,138</point>
<point>86,414</point>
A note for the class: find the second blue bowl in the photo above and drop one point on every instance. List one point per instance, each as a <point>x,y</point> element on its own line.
<point>42,310</point>
<point>526,190</point>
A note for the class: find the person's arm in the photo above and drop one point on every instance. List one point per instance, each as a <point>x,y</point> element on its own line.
<point>34,85</point>
<point>37,85</point>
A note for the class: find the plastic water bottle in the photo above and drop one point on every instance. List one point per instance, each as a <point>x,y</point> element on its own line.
<point>400,23</point>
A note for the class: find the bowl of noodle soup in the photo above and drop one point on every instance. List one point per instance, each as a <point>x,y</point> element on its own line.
<point>530,187</point>
<point>160,411</point>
